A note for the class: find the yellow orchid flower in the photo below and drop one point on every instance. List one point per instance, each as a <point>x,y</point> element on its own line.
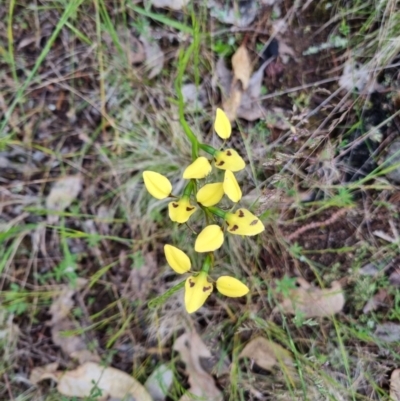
<point>222,124</point>
<point>199,169</point>
<point>231,287</point>
<point>210,239</point>
<point>177,259</point>
<point>210,194</point>
<point>181,210</point>
<point>231,187</point>
<point>229,159</point>
<point>197,290</point>
<point>243,222</point>
<point>157,185</point>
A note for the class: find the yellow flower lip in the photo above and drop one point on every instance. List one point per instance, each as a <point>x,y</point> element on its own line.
<point>231,287</point>
<point>222,124</point>
<point>210,194</point>
<point>243,222</point>
<point>177,259</point>
<point>197,290</point>
<point>199,169</point>
<point>181,210</point>
<point>229,159</point>
<point>231,187</point>
<point>157,185</point>
<point>210,239</point>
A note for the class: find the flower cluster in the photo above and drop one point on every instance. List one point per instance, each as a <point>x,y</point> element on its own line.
<point>211,238</point>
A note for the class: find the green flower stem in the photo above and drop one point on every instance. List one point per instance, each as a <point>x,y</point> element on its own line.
<point>189,188</point>
<point>208,263</point>
<point>217,211</point>
<point>207,148</point>
<point>183,61</point>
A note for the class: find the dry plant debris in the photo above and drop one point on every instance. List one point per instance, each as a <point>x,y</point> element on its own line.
<point>191,348</point>
<point>154,56</point>
<point>92,378</point>
<point>312,301</point>
<point>267,354</point>
<point>63,192</point>
<point>172,4</point>
<point>395,385</point>
<point>72,345</point>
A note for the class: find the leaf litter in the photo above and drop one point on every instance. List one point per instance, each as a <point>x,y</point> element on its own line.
<point>312,301</point>
<point>267,354</point>
<point>191,348</point>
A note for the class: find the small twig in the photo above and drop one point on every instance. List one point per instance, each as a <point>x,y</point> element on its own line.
<point>318,224</point>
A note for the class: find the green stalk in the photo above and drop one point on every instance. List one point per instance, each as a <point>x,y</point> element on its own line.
<point>208,149</point>
<point>217,211</point>
<point>182,63</point>
<point>208,263</point>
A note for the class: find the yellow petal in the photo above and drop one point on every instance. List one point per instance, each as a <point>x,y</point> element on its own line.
<point>200,168</point>
<point>229,159</point>
<point>222,125</point>
<point>177,259</point>
<point>210,194</point>
<point>231,287</point>
<point>243,222</point>
<point>157,185</point>
<point>180,211</point>
<point>197,290</point>
<point>210,239</point>
<point>231,187</point>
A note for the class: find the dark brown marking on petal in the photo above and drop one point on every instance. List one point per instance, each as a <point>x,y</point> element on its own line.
<point>205,289</point>
<point>175,205</point>
<point>228,153</point>
<point>189,209</point>
<point>241,213</point>
<point>234,228</point>
<point>254,222</point>
<point>191,283</point>
<point>221,163</point>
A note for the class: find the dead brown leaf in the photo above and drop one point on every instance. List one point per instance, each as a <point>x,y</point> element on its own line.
<point>266,353</point>
<point>395,385</point>
<point>154,56</point>
<point>62,194</point>
<point>172,4</point>
<point>241,65</point>
<point>43,372</point>
<point>72,345</point>
<point>313,301</point>
<point>191,348</point>
<point>379,299</point>
<point>81,381</point>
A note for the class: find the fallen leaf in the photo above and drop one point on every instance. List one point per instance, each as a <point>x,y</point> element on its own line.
<point>154,56</point>
<point>159,382</point>
<point>172,4</point>
<point>394,278</point>
<point>241,65</point>
<point>43,372</point>
<point>62,194</point>
<point>60,323</point>
<point>376,301</point>
<point>358,77</point>
<point>389,332</point>
<point>246,104</point>
<point>266,353</point>
<point>90,376</point>
<point>241,15</point>
<point>312,301</point>
<point>395,385</point>
<point>191,348</point>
